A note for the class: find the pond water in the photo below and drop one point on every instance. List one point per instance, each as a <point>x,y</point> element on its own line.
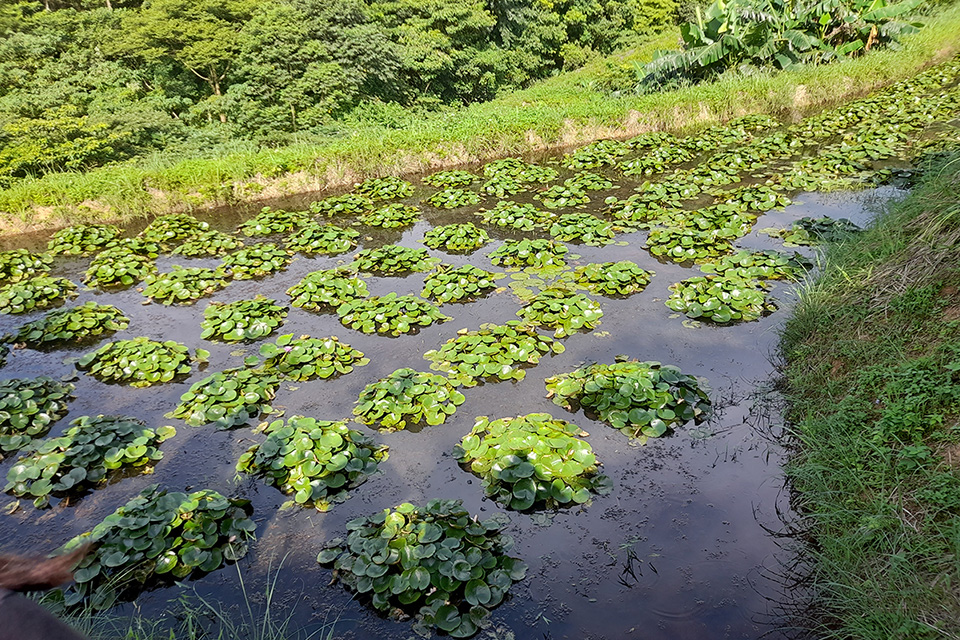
<point>680,549</point>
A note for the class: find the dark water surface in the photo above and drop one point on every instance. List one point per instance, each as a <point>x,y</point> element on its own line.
<point>679,549</point>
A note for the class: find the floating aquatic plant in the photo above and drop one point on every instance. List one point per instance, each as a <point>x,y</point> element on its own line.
<point>322,238</point>
<point>512,215</point>
<point>391,216</point>
<point>453,198</point>
<point>407,398</point>
<point>456,238</point>
<point>75,324</point>
<point>170,230</point>
<point>83,455</point>
<point>307,358</point>
<point>388,188</point>
<point>208,243</point>
<point>349,203</point>
<point>445,179</point>
<point>139,362</point>
<point>270,221</point>
<point>720,299</point>
<point>562,310</point>
<point>184,285</point>
<point>538,254</point>
<point>118,267</point>
<point>454,284</point>
<point>762,265</point>
<point>243,320</point>
<point>327,290</point>
<point>493,353</point>
<point>158,533</point>
<point>256,261</point>
<point>315,461</point>
<point>390,314</point>
<point>393,259</point>
<point>35,294</point>
<point>227,398</point>
<point>640,399</point>
<point>583,227</point>
<point>438,561</point>
<point>621,278</point>
<point>20,264</point>
<point>532,460</point>
<point>28,406</point>
<point>82,239</point>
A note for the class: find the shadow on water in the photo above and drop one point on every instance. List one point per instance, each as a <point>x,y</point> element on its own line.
<point>685,547</point>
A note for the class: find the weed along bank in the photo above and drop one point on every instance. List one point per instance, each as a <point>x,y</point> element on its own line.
<point>527,398</point>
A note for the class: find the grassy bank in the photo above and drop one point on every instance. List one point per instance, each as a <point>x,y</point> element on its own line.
<point>873,366</point>
<point>566,110</point>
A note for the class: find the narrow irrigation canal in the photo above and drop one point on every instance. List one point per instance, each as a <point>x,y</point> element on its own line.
<point>680,547</point>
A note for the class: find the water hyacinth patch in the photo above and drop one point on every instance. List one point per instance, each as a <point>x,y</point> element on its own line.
<point>313,460</point>
<point>138,246</point>
<point>532,460</point>
<point>83,455</point>
<point>155,534</point>
<point>517,168</point>
<point>455,178</point>
<point>20,264</point>
<point>348,203</point>
<point>596,154</point>
<point>270,221</point>
<point>454,284</point>
<point>389,314</point>
<point>621,278</point>
<point>453,198</point>
<point>118,267</point>
<point>501,186</point>
<point>243,320</point>
<point>755,197</point>
<point>75,324</point>
<point>227,398</point>
<point>208,243</point>
<point>388,188</point>
<point>438,561</point>
<point>326,290</point>
<point>407,398</point>
<point>82,239</point>
<point>512,215</point>
<point>28,406</point>
<point>456,238</point>
<point>689,245</point>
<point>561,196</point>
<point>720,299</point>
<point>562,310</point>
<point>170,230</point>
<point>393,259</point>
<point>307,358</point>
<point>391,216</point>
<point>184,285</point>
<point>493,353</point>
<point>35,294</point>
<point>326,239</point>
<point>583,227</point>
<point>640,399</point>
<point>762,265</point>
<point>586,181</point>
<point>140,362</point>
<point>256,261</point>
<point>538,254</point>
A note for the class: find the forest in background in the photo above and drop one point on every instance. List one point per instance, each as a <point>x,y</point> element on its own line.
<point>86,82</point>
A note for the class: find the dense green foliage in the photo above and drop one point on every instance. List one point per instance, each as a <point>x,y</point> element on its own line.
<point>781,33</point>
<point>449,284</point>
<point>28,407</point>
<point>407,398</point>
<point>641,399</point>
<point>183,285</point>
<point>227,398</point>
<point>389,314</point>
<point>75,324</point>
<point>306,358</point>
<point>83,455</point>
<point>158,533</point>
<point>312,459</point>
<point>37,293</point>
<point>327,290</point>
<point>532,460</point>
<point>140,362</point>
<point>438,561</point>
<point>243,320</point>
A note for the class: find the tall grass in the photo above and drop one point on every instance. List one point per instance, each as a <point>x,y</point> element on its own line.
<point>873,357</point>
<point>568,109</point>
